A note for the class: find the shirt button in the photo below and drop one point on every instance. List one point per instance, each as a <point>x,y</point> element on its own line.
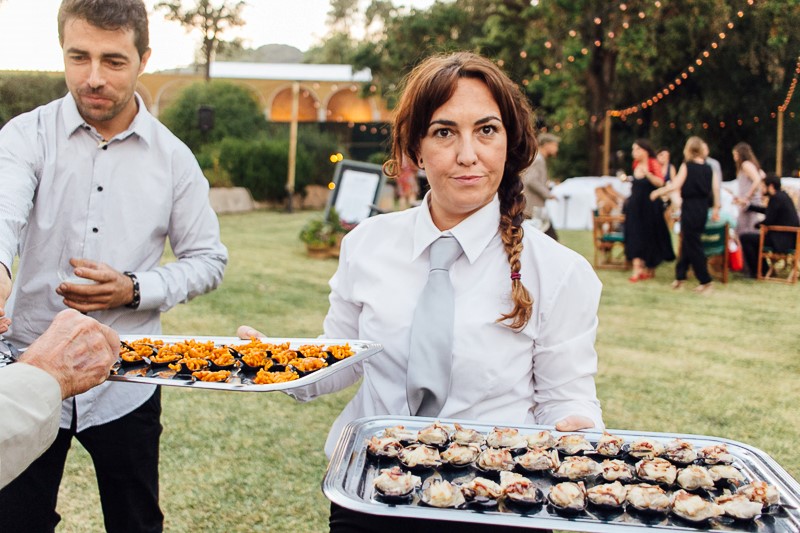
<point>95,230</point>
<point>100,188</point>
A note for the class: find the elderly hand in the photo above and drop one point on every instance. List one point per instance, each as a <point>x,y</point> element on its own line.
<point>5,292</point>
<point>111,289</point>
<point>247,333</point>
<point>574,423</point>
<point>76,350</point>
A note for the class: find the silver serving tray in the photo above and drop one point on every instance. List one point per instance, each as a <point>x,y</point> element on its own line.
<point>348,482</point>
<point>237,381</point>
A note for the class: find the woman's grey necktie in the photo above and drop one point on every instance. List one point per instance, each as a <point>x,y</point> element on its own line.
<point>431,352</point>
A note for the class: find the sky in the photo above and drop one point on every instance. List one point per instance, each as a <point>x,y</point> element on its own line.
<point>29,39</point>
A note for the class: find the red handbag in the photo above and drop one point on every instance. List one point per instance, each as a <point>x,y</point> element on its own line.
<point>735,257</point>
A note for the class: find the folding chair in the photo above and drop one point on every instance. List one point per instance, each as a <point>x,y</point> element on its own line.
<point>781,265</point>
<point>715,246</point>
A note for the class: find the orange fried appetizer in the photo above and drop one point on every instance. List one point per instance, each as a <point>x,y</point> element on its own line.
<point>207,375</point>
<point>341,351</point>
<point>308,364</point>
<point>265,377</point>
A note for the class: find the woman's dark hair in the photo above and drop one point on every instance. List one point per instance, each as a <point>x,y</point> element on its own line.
<point>108,15</point>
<point>429,86</point>
<point>647,146</point>
<point>745,153</point>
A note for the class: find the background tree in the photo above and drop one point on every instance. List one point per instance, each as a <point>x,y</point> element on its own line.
<point>211,19</point>
<point>577,60</point>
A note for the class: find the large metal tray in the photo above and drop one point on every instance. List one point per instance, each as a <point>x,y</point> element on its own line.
<point>238,381</point>
<point>348,482</point>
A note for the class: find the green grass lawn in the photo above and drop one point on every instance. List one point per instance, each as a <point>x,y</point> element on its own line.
<point>725,365</point>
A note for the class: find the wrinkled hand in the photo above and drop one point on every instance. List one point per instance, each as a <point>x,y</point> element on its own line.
<point>5,292</point>
<point>76,350</point>
<point>112,289</point>
<point>247,333</point>
<point>574,423</point>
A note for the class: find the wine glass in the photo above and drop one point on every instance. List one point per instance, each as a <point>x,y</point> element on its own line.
<point>66,272</point>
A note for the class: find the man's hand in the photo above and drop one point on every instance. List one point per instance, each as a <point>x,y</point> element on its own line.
<point>247,333</point>
<point>574,423</point>
<point>5,292</point>
<point>111,289</point>
<point>76,350</point>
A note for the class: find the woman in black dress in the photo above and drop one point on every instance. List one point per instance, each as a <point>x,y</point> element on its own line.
<point>647,238</point>
<point>693,180</point>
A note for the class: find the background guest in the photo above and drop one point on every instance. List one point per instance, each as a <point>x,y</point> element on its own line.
<point>694,183</point>
<point>535,179</point>
<point>647,238</point>
<point>673,200</point>
<point>780,211</point>
<point>748,184</point>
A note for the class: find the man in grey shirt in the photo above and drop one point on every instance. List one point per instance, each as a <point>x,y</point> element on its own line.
<point>91,186</point>
<point>534,179</point>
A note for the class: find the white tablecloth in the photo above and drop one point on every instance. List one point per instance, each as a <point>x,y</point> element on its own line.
<point>575,200</point>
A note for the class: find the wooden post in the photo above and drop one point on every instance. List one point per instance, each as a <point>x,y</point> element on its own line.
<point>779,153</point>
<point>290,178</point>
<point>606,144</point>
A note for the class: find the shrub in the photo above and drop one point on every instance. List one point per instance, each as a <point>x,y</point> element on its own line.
<point>259,165</point>
<point>20,93</point>
<point>262,164</point>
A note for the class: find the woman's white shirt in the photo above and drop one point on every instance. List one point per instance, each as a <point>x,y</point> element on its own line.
<point>538,375</point>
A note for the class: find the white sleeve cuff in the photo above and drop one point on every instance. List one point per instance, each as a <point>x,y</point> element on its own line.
<point>151,288</point>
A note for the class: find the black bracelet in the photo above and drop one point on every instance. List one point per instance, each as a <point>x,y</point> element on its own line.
<point>137,293</point>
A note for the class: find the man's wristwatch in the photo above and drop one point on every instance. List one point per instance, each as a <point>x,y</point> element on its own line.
<point>137,293</point>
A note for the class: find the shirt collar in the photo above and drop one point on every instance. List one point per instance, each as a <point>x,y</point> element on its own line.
<point>473,233</point>
<point>140,126</point>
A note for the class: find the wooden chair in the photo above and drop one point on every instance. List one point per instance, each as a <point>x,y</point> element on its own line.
<point>609,242</point>
<point>715,245</point>
<point>782,266</point>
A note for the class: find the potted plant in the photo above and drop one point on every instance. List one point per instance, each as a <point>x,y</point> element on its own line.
<point>323,236</point>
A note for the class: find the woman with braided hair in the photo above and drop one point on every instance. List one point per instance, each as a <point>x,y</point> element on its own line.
<point>523,307</point>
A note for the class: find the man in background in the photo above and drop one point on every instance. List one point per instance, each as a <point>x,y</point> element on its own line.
<point>91,187</point>
<point>535,182</point>
<point>780,211</point>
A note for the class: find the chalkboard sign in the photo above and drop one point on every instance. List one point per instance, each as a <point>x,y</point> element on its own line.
<point>356,189</point>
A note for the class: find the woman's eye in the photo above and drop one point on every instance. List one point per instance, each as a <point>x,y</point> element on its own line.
<point>442,133</point>
<point>488,130</point>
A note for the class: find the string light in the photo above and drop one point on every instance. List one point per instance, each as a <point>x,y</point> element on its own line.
<point>684,75</point>
<point>573,33</point>
<point>790,93</point>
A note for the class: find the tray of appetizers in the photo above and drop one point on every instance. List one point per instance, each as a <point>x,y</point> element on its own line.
<point>230,363</point>
<point>536,477</point>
